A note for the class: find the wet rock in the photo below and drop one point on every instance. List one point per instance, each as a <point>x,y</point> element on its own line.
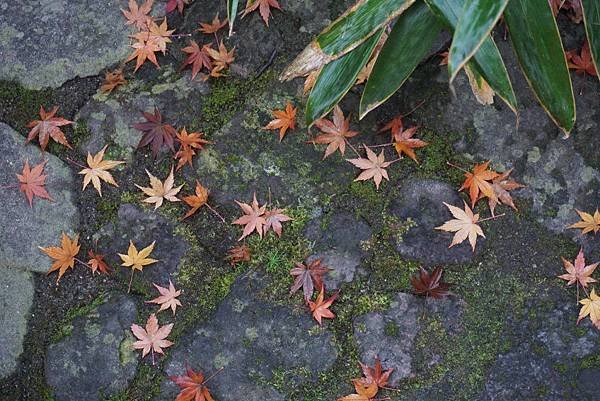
<point>143,227</point>
<point>97,359</point>
<point>420,204</point>
<point>46,43</point>
<point>16,297</point>
<point>249,339</point>
<point>38,226</point>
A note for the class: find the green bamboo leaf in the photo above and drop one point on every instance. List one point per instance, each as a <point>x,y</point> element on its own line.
<point>591,16</point>
<point>477,20</point>
<point>538,47</point>
<point>487,60</point>
<point>408,43</point>
<point>336,79</point>
<point>232,7</point>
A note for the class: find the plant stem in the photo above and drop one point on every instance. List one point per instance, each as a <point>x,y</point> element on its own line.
<point>75,163</point>
<point>455,166</point>
<point>491,218</point>
<point>215,212</point>
<point>213,375</point>
<point>129,289</point>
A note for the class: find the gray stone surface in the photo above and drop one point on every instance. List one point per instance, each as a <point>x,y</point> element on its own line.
<point>38,226</point>
<point>47,42</point>
<point>97,359</point>
<point>420,205</point>
<point>16,297</point>
<point>249,339</point>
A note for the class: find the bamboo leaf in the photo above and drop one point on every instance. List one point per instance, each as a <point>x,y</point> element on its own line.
<point>591,17</point>
<point>537,43</point>
<point>408,43</point>
<point>477,20</point>
<point>232,7</point>
<point>336,79</point>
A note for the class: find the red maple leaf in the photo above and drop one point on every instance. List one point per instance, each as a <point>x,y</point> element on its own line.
<point>156,132</point>
<point>32,182</point>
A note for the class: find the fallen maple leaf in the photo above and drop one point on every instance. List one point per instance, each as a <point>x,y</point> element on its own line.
<point>159,191</point>
<point>478,182</point>
<point>364,392</point>
<point>374,167</point>
<point>375,374</point>
<point>214,26</point>
<point>168,297</point>
<point>97,263</point>
<point>405,143</point>
<point>32,182</point>
<point>320,308</point>
<point>221,59</point>
<point>264,7</point>
<point>112,80</point>
<point>582,63</point>
<point>144,50</point>
<point>253,218</point>
<point>238,254</point>
<point>588,222</point>
<point>283,120</point>
<point>591,308</point>
<point>156,132</point>
<point>197,58</point>
<point>98,170</point>
<point>138,15</point>
<point>64,256</point>
<point>157,34</point>
<point>464,225</point>
<point>274,218</point>
<point>578,272</point>
<point>152,338</point>
<point>188,143</point>
<point>176,4</point>
<point>395,126</point>
<point>137,260</point>
<point>48,127</point>
<point>308,277</point>
<point>193,386</point>
<point>430,285</point>
<point>501,185</point>
<point>199,199</point>
<point>334,133</point>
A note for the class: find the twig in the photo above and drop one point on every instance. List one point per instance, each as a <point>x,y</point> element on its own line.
<point>352,147</point>
<point>75,163</point>
<point>129,290</point>
<point>213,375</point>
<point>458,167</point>
<point>414,109</point>
<point>215,212</point>
<point>82,262</point>
<point>491,218</point>
<point>9,186</point>
<point>267,65</point>
<point>377,146</point>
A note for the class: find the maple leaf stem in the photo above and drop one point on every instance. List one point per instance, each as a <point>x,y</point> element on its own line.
<point>458,167</point>
<point>395,160</point>
<point>9,186</point>
<point>378,146</point>
<point>491,218</point>
<point>75,163</point>
<point>181,35</point>
<point>82,262</point>
<point>213,375</point>
<point>414,109</point>
<point>129,289</point>
<point>352,147</point>
<point>215,212</point>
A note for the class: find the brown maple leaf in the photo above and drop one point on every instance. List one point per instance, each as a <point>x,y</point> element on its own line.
<point>196,201</point>
<point>283,120</point>
<point>395,126</point>
<point>588,222</point>
<point>175,4</point>
<point>193,386</point>
<point>156,132</point>
<point>112,80</point>
<point>264,7</point>
<point>308,277</point>
<point>138,15</point>
<point>160,191</point>
<point>238,254</point>
<point>64,256</point>
<point>97,263</point>
<point>197,58</point>
<point>221,59</point>
<point>48,127</point>
<point>430,285</point>
<point>320,308</point>
<point>274,218</point>
<point>32,182</point>
<point>188,143</point>
<point>253,218</point>
<point>214,26</point>
<point>374,167</point>
<point>375,374</point>
<point>464,225</point>
<point>167,299</point>
<point>405,143</point>
<point>144,50</point>
<point>578,272</point>
<point>479,182</point>
<point>334,133</point>
<point>98,170</point>
<point>364,392</point>
<point>582,63</point>
<point>152,338</point>
<point>501,185</point>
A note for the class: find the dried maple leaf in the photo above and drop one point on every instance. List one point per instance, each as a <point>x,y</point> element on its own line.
<point>214,26</point>
<point>253,218</point>
<point>395,126</point>
<point>464,225</point>
<point>582,63</point>
<point>274,218</point>
<point>193,386</point>
<point>137,260</point>
<point>157,34</point>
<point>196,201</point>
<point>334,133</point>
<point>176,4</point>
<point>238,254</point>
<point>138,15</point>
<point>168,297</point>
<point>48,127</point>
<point>374,167</point>
<point>375,374</point>
<point>264,7</point>
<point>98,170</point>
<point>591,308</point>
<point>156,132</point>
<point>364,392</point>
<point>188,143</point>
<point>97,263</point>
<point>112,80</point>
<point>365,72</point>
<point>64,256</point>
<point>588,222</point>
<point>310,80</point>
<point>430,285</point>
<point>478,182</point>
<point>308,277</point>
<point>578,272</point>
<point>159,191</point>
<point>152,338</point>
<point>501,185</point>
<point>144,50</point>
<point>32,182</point>
<point>320,308</point>
<point>221,58</point>
<point>283,120</point>
<point>198,58</point>
<point>405,143</point>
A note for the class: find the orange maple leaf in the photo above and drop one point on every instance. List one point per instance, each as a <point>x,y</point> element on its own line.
<point>138,15</point>
<point>405,143</point>
<point>479,181</point>
<point>214,26</point>
<point>582,63</point>
<point>64,256</point>
<point>152,338</point>
<point>320,308</point>
<point>144,50</point>
<point>48,127</point>
<point>97,263</point>
<point>193,386</point>
<point>264,7</point>
<point>334,133</point>
<point>283,120</point>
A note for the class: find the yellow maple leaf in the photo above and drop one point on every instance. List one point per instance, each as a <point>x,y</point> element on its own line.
<point>137,260</point>
<point>588,222</point>
<point>98,170</point>
<point>591,308</point>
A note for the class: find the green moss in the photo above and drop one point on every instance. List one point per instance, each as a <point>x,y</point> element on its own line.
<point>65,327</point>
<point>391,329</point>
<point>19,105</point>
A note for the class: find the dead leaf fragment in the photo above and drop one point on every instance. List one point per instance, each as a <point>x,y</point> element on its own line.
<point>274,218</point>
<point>238,254</point>
<point>591,308</point>
<point>430,285</point>
<point>502,185</point>
<point>112,80</point>
<point>193,386</point>
<point>588,222</point>
<point>320,308</point>
<point>214,26</point>
<point>264,7</point>
<point>97,263</point>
